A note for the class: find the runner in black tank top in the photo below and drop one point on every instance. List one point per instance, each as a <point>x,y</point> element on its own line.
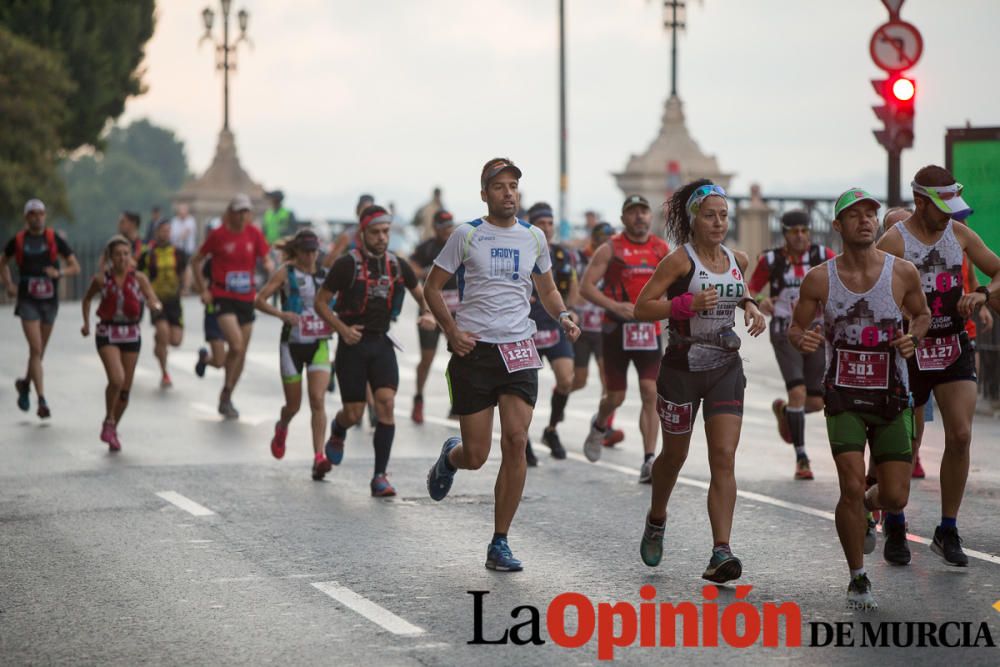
<point>703,281</point>
<point>931,239</point>
<point>864,294</point>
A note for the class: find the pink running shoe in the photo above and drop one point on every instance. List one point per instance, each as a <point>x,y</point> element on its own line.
<point>278,441</point>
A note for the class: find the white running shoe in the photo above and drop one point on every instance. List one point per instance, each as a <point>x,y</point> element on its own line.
<point>594,443</point>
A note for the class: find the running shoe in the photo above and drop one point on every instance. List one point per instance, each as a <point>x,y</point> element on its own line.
<point>859,594</point>
<point>593,444</point>
<point>895,551</point>
<point>381,488</point>
<point>321,466</point>
<point>500,558</point>
<point>529,455</point>
<point>778,408</point>
<point>871,537</point>
<point>651,546</point>
<point>278,441</point>
<point>107,432</point>
<point>948,545</point>
<point>417,415</point>
<point>918,470</point>
<point>334,448</point>
<point>199,367</point>
<point>227,409</point>
<point>166,382</point>
<point>23,394</point>
<point>613,436</point>
<point>646,472</point>
<point>552,441</point>
<point>723,566</point>
<point>802,469</point>
<point>43,409</point>
<point>440,476</point>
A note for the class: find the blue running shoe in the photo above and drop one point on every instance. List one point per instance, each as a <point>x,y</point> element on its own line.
<point>440,476</point>
<point>23,390</point>
<point>199,367</point>
<point>499,557</point>
<point>334,449</point>
<point>723,566</point>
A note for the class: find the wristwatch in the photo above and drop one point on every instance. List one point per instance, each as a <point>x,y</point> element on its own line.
<point>985,290</point>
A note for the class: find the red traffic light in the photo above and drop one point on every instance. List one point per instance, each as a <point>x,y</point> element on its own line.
<point>903,89</point>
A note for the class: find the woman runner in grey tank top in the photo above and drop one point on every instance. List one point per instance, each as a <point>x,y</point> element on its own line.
<point>703,282</point>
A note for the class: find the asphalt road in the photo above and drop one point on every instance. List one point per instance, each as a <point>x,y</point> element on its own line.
<point>194,546</point>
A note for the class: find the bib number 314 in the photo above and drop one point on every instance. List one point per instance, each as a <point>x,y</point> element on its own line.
<point>639,336</point>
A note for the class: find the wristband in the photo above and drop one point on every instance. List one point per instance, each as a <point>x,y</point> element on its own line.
<point>564,315</point>
<point>916,341</point>
<point>760,298</point>
<point>739,304</point>
<point>680,307</point>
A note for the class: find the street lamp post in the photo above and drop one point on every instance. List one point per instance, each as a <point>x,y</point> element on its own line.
<point>225,54</point>
<point>674,12</point>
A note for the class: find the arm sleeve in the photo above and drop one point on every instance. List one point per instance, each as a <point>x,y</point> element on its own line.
<point>409,277</point>
<point>340,274</point>
<point>450,257</point>
<point>62,247</point>
<point>761,275</point>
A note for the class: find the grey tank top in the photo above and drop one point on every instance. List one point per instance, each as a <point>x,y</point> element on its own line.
<point>940,267</point>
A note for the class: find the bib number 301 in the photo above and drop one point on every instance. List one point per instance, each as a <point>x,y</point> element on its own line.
<point>521,355</point>
<point>862,370</point>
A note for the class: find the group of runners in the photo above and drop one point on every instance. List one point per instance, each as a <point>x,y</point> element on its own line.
<point>867,335</point>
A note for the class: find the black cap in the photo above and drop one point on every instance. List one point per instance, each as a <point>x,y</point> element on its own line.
<point>796,218</point>
<point>634,200</point>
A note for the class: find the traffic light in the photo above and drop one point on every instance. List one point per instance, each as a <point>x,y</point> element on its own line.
<point>899,93</point>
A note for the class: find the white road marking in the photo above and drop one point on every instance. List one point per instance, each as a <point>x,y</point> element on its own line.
<point>186,504</point>
<point>365,607</point>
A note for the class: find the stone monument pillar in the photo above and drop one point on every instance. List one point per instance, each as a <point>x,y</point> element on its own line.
<point>672,160</point>
<point>209,195</point>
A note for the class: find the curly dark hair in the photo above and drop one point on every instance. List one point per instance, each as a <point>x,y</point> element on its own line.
<point>678,222</point>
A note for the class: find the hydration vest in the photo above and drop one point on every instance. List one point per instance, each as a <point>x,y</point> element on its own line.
<point>50,238</point>
<point>120,304</point>
<point>631,266</point>
<point>353,300</point>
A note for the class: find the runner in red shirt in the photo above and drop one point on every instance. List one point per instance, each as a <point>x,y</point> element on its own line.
<point>234,248</point>
<point>626,263</point>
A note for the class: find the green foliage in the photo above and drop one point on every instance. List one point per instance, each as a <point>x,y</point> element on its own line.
<point>33,89</point>
<point>142,165</point>
<point>100,43</point>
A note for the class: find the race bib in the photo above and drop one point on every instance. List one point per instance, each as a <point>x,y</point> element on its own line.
<point>639,336</point>
<point>674,418</point>
<point>312,325</point>
<point>937,354</point>
<point>123,333</point>
<point>862,370</point>
<point>41,288</point>
<point>239,282</point>
<point>590,320</point>
<point>520,355</point>
<point>545,338</point>
<point>451,299</point>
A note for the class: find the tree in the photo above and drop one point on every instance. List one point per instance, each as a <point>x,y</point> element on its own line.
<point>142,165</point>
<point>100,43</point>
<point>35,87</point>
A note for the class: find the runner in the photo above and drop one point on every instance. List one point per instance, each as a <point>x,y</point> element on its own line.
<point>703,284</point>
<point>423,259</point>
<point>945,362</point>
<point>590,318</point>
<point>215,354</point>
<point>550,338</point>
<point>234,249</point>
<point>166,267</point>
<point>304,341</point>
<point>625,263</point>
<point>36,250</point>
<point>783,270</point>
<point>368,283</point>
<point>129,224</point>
<point>122,291</point>
<point>864,294</point>
<point>494,362</point>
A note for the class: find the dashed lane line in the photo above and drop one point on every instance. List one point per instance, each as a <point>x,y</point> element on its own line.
<point>186,504</point>
<point>365,607</point>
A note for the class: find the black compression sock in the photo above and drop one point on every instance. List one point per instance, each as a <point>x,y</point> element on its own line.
<point>382,440</point>
<point>797,425</point>
<point>337,429</point>
<point>558,408</point>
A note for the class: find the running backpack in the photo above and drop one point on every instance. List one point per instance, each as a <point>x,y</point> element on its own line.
<point>50,238</point>
<point>354,300</point>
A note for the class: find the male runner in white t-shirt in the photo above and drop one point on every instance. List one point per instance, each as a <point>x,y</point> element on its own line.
<point>494,360</point>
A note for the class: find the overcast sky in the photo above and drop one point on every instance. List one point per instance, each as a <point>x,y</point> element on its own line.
<point>394,97</point>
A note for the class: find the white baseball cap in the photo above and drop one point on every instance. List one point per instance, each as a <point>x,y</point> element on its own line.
<point>241,202</point>
<point>34,205</point>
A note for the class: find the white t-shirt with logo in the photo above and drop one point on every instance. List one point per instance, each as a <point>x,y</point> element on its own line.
<point>493,267</point>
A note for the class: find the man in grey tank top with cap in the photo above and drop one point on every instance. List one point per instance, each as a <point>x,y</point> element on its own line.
<point>864,295</point>
<point>935,243</point>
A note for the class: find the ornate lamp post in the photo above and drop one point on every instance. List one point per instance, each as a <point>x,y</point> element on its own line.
<point>675,13</point>
<point>225,54</point>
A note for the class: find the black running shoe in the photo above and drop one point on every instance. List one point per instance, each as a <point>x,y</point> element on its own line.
<point>551,440</point>
<point>895,551</point>
<point>23,394</point>
<point>948,545</point>
<point>529,454</point>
